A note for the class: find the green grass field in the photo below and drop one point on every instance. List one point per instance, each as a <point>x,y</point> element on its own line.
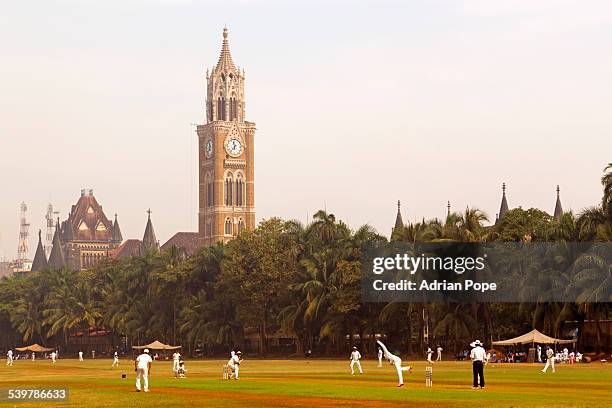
<point>314,383</point>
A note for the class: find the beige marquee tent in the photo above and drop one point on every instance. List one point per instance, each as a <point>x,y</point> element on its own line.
<point>36,348</point>
<point>532,337</point>
<point>157,345</point>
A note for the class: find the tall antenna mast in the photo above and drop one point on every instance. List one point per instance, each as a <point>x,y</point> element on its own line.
<point>50,217</point>
<point>24,232</point>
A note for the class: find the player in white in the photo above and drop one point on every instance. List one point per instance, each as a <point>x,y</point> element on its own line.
<point>539,349</point>
<point>550,359</point>
<point>182,371</point>
<point>142,366</point>
<point>53,357</point>
<point>355,357</point>
<point>33,356</point>
<point>396,361</point>
<point>80,356</point>
<point>439,350</point>
<point>234,363</point>
<point>9,358</point>
<point>429,354</point>
<point>115,360</point>
<point>176,358</point>
<point>380,356</point>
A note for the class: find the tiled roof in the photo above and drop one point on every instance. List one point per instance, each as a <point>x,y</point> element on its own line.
<point>130,247</point>
<point>188,242</point>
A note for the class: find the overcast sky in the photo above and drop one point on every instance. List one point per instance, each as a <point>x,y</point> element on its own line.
<point>357,105</point>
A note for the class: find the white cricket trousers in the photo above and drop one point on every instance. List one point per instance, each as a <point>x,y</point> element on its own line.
<point>549,362</point>
<point>397,362</point>
<point>380,360</point>
<point>353,362</point>
<point>236,369</point>
<point>142,373</point>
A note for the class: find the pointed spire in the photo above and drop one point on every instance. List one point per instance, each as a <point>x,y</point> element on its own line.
<point>558,207</point>
<point>56,259</point>
<point>225,58</point>
<point>448,207</point>
<point>149,241</point>
<point>40,260</point>
<point>117,237</point>
<point>503,208</point>
<point>399,223</point>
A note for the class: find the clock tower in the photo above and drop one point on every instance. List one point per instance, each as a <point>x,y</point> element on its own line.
<point>225,164</point>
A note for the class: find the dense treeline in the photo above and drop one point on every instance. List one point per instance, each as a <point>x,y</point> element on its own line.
<point>289,279</point>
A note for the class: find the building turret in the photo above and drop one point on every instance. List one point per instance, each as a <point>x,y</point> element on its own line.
<point>56,259</point>
<point>116,236</point>
<point>558,208</point>
<point>40,260</point>
<point>503,208</point>
<point>149,241</point>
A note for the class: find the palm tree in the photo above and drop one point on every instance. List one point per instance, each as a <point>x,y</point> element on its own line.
<point>456,325</point>
<point>26,318</point>
<point>592,225</point>
<point>606,201</point>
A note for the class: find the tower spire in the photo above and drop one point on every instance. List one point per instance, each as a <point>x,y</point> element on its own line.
<point>149,241</point>
<point>558,208</point>
<point>56,258</point>
<point>40,260</point>
<point>448,207</point>
<point>116,236</point>
<point>225,62</point>
<point>399,223</point>
<point>503,208</point>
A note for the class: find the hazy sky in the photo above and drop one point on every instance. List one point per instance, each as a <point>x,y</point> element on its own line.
<point>357,105</point>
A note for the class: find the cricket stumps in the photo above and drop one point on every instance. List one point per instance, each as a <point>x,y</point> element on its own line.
<point>428,376</point>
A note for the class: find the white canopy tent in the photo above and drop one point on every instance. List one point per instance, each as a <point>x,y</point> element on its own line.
<point>532,337</point>
<point>156,345</point>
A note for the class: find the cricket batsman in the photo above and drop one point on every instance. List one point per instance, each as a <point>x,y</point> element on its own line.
<point>234,363</point>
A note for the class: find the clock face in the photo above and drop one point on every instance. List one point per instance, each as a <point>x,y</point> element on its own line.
<point>209,148</point>
<point>233,146</point>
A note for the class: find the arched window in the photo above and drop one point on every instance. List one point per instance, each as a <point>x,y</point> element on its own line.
<point>229,189</point>
<point>221,108</point>
<point>239,190</point>
<point>210,190</point>
<point>241,225</point>
<point>228,226</point>
<point>233,108</point>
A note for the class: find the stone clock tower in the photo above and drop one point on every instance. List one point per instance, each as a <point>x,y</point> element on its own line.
<point>226,142</point>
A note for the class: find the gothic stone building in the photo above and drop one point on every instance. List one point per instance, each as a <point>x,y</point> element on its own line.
<point>87,235</point>
<point>83,240</point>
<point>226,147</point>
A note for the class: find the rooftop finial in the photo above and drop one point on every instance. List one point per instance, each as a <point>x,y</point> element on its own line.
<point>504,188</point>
<point>558,190</point>
<point>398,205</point>
<point>225,62</point>
<point>149,212</point>
<point>448,208</point>
<point>39,236</point>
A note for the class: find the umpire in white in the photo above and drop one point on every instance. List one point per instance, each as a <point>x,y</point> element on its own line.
<point>478,356</point>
